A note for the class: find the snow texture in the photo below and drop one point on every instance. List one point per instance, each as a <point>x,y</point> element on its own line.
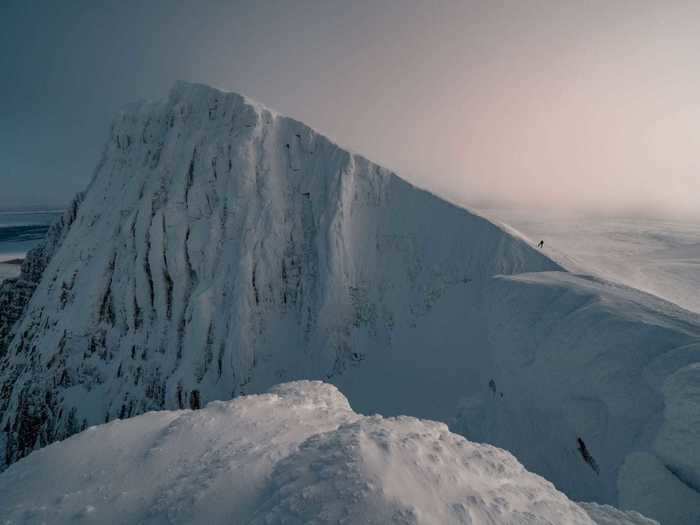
<point>221,249</point>
<point>297,455</point>
<point>658,256</point>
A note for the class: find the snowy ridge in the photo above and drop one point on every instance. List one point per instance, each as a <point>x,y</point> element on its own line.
<point>656,256</point>
<point>221,249</point>
<point>297,455</point>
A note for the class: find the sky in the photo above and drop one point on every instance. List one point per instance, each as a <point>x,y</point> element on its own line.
<point>581,106</point>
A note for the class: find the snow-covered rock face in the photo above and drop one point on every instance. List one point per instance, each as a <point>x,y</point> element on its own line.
<point>221,249</point>
<point>298,455</point>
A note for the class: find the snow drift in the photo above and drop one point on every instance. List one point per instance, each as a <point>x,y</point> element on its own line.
<point>221,249</point>
<point>297,455</point>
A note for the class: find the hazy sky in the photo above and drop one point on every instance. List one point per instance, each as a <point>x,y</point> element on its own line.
<point>591,105</point>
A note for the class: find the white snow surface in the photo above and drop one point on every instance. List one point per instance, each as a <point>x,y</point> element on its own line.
<point>221,249</point>
<point>296,455</point>
<point>658,256</point>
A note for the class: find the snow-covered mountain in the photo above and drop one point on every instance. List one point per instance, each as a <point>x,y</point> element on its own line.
<point>221,249</point>
<point>297,455</point>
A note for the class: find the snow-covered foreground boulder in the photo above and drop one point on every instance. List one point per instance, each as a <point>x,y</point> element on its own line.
<point>296,455</point>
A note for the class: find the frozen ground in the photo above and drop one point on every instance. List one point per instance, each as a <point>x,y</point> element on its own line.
<point>656,256</point>
<point>297,455</point>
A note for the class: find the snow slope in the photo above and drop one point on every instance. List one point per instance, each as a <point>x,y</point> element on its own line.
<point>221,249</point>
<point>658,256</point>
<point>297,455</point>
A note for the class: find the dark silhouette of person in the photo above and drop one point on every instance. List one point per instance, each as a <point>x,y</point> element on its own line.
<point>540,244</point>
<point>583,450</point>
<point>492,387</point>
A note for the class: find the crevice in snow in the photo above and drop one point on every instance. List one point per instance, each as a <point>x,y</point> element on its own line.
<point>169,285</point>
<point>189,179</point>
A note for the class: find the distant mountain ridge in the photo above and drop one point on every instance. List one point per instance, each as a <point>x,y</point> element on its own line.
<point>222,248</point>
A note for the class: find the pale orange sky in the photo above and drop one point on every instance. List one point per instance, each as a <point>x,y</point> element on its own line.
<point>575,105</point>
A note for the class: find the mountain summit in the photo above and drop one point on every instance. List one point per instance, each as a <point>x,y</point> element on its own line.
<point>221,249</point>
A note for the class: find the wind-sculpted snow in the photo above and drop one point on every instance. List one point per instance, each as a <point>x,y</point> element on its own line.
<point>221,249</point>
<point>613,366</point>
<point>297,455</point>
<point>658,256</point>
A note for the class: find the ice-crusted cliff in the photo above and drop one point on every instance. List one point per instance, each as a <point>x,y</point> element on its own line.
<point>219,249</point>
<point>296,455</point>
<point>222,248</point>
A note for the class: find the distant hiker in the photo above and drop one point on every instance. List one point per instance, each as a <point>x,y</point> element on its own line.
<point>492,387</point>
<point>587,455</point>
<point>540,244</point>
